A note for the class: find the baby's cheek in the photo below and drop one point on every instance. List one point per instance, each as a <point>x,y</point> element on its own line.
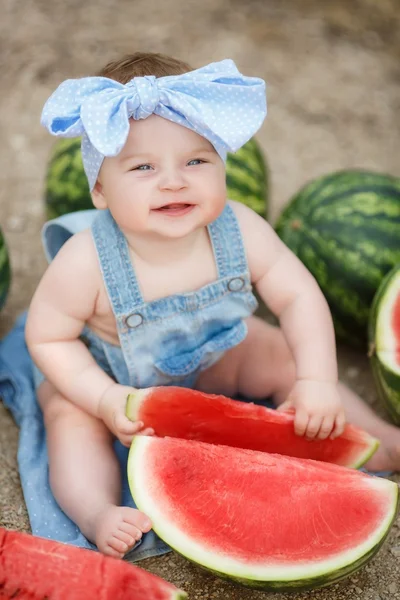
<point>219,202</point>
<point>129,217</point>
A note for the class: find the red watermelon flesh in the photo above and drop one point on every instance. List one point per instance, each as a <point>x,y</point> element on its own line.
<point>190,414</point>
<point>266,520</point>
<point>36,568</point>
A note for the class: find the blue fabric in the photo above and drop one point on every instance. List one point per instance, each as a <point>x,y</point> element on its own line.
<point>188,332</point>
<point>46,517</point>
<point>168,341</point>
<point>215,101</point>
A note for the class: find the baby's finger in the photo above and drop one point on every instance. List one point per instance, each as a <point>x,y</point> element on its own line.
<point>300,422</point>
<point>147,431</point>
<point>126,437</point>
<point>126,440</point>
<point>125,426</point>
<point>338,429</point>
<point>285,406</point>
<point>313,427</point>
<point>326,428</point>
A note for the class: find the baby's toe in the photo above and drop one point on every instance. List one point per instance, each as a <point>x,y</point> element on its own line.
<point>131,531</point>
<point>117,544</point>
<point>109,550</point>
<point>128,535</point>
<point>137,519</point>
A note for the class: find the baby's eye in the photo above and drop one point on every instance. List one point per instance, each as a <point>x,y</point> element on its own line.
<point>142,168</point>
<point>196,161</point>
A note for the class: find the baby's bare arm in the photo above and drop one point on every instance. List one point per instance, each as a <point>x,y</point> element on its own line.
<point>293,295</point>
<point>64,300</point>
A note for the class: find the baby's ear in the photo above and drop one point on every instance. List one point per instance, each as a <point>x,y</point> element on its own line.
<point>98,198</point>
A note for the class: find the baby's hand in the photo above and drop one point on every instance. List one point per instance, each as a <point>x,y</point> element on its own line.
<point>112,412</point>
<point>318,409</point>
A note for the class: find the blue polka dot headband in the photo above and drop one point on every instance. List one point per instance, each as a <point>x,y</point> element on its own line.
<point>215,101</point>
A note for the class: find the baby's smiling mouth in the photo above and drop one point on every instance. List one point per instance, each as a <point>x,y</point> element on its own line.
<point>175,208</point>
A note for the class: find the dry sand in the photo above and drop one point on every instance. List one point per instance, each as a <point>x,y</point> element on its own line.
<point>333,75</point>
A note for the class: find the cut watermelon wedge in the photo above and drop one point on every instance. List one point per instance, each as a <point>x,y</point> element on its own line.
<point>263,520</point>
<point>36,568</point>
<point>190,414</point>
<point>384,336</point>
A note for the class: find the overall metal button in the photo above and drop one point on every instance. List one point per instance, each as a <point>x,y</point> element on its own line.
<point>134,320</point>
<point>236,284</point>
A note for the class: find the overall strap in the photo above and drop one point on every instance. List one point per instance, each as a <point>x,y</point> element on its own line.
<point>57,231</point>
<point>115,263</point>
<point>227,241</point>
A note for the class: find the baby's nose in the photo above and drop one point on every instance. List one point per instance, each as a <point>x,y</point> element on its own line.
<point>173,180</point>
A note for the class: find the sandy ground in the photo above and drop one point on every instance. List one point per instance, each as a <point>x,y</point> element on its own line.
<point>333,77</point>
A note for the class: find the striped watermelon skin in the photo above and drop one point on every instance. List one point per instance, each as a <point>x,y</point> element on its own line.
<point>5,271</point>
<point>386,375</point>
<point>247,177</point>
<point>67,190</point>
<point>66,186</point>
<point>345,228</point>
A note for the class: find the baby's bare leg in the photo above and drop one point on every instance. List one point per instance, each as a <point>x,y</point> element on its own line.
<point>262,365</point>
<point>85,476</point>
<point>358,412</point>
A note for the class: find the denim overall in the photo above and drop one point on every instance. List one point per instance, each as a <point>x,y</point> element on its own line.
<point>163,342</point>
<point>168,341</point>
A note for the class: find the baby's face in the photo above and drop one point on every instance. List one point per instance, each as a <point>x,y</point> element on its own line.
<point>167,180</point>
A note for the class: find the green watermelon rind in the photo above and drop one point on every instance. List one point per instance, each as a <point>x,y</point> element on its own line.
<point>386,296</point>
<point>384,383</point>
<point>66,186</point>
<point>344,228</point>
<point>386,379</point>
<point>365,457</point>
<point>313,582</point>
<point>304,584</point>
<point>67,190</point>
<point>175,539</point>
<point>5,271</point>
<point>247,177</point>
<point>136,398</point>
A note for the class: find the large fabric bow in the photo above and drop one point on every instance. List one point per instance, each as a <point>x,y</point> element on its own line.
<point>215,101</point>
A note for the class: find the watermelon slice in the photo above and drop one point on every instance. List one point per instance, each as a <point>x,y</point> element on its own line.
<point>264,520</point>
<point>36,568</point>
<point>190,414</point>
<point>384,335</point>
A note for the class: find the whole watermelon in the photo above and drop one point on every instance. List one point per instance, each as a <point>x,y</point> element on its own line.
<point>67,190</point>
<point>384,338</point>
<point>247,177</point>
<point>345,228</point>
<point>5,271</point>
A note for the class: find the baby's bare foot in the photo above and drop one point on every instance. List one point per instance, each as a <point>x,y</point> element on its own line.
<point>387,457</point>
<point>118,528</point>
